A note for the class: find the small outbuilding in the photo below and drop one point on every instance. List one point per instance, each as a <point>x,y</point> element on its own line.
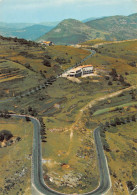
<point>47,43</point>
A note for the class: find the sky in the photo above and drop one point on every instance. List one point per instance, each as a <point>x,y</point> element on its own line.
<point>37,11</point>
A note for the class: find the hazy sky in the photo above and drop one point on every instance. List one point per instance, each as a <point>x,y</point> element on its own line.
<point>35,11</point>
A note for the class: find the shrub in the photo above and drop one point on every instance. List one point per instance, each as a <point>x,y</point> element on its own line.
<point>46,63</point>
<point>110,83</point>
<point>133,118</point>
<point>133,64</point>
<point>27,118</point>
<point>5,135</point>
<point>113,73</point>
<point>130,185</point>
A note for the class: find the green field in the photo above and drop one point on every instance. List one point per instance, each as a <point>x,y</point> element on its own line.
<point>15,166</point>
<point>70,110</point>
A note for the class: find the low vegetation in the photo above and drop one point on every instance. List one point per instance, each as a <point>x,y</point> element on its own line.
<point>15,155</point>
<point>69,112</point>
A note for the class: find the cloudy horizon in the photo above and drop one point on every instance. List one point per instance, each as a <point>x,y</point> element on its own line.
<point>37,11</point>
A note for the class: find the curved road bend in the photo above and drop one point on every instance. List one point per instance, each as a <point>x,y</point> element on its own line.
<point>93,52</point>
<point>38,184</point>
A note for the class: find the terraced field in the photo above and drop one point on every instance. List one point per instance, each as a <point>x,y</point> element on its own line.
<point>68,144</point>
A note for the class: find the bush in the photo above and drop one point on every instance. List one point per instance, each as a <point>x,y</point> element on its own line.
<point>133,118</point>
<point>109,83</point>
<point>5,135</point>
<point>62,60</point>
<point>113,73</point>
<point>47,56</point>
<point>27,118</point>
<point>133,64</point>
<point>27,65</point>
<point>130,185</point>
<point>46,63</point>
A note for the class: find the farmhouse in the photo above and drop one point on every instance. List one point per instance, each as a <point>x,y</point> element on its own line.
<point>80,71</point>
<point>47,43</point>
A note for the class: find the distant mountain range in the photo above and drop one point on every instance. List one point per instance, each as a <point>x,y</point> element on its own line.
<point>71,31</point>
<point>30,32</point>
<point>15,25</point>
<point>108,28</point>
<point>90,19</point>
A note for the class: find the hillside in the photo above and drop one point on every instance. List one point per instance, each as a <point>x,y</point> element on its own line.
<point>25,64</point>
<point>69,112</point>
<point>111,28</point>
<point>118,27</point>
<point>30,32</point>
<point>71,31</point>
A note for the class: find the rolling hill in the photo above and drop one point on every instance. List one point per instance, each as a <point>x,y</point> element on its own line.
<point>111,28</point>
<point>118,27</point>
<point>71,31</point>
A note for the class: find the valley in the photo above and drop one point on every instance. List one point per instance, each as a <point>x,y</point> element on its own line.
<point>69,112</point>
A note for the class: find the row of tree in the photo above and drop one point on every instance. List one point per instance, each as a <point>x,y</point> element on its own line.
<point>42,130</point>
<point>113,123</point>
<point>116,77</point>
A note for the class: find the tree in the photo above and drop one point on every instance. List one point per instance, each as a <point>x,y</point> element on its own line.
<point>117,121</point>
<point>113,73</point>
<point>46,63</point>
<point>128,119</point>
<point>106,147</point>
<point>29,108</point>
<point>27,65</point>
<point>122,120</point>
<point>109,83</point>
<point>5,135</point>
<point>107,124</point>
<point>112,123</point>
<point>134,118</point>
<point>27,118</point>
<point>121,79</point>
<point>130,185</point>
<point>133,64</point>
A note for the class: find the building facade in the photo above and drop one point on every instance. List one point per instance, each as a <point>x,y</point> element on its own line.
<point>80,71</point>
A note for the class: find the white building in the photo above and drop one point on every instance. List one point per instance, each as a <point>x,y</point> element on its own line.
<point>80,71</point>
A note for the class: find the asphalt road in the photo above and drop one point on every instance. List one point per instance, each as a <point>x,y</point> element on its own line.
<point>37,176</point>
<point>38,185</point>
<point>93,52</point>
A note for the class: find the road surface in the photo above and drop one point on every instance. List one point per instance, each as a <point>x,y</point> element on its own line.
<point>38,184</point>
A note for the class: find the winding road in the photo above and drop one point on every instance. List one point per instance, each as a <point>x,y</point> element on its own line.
<point>38,184</point>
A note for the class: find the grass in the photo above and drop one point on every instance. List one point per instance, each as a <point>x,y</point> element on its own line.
<point>118,56</point>
<point>28,61</point>
<point>102,111</point>
<point>65,159</point>
<point>93,42</point>
<point>70,54</point>
<point>71,31</point>
<point>15,166</point>
<point>124,156</point>
<point>60,105</point>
